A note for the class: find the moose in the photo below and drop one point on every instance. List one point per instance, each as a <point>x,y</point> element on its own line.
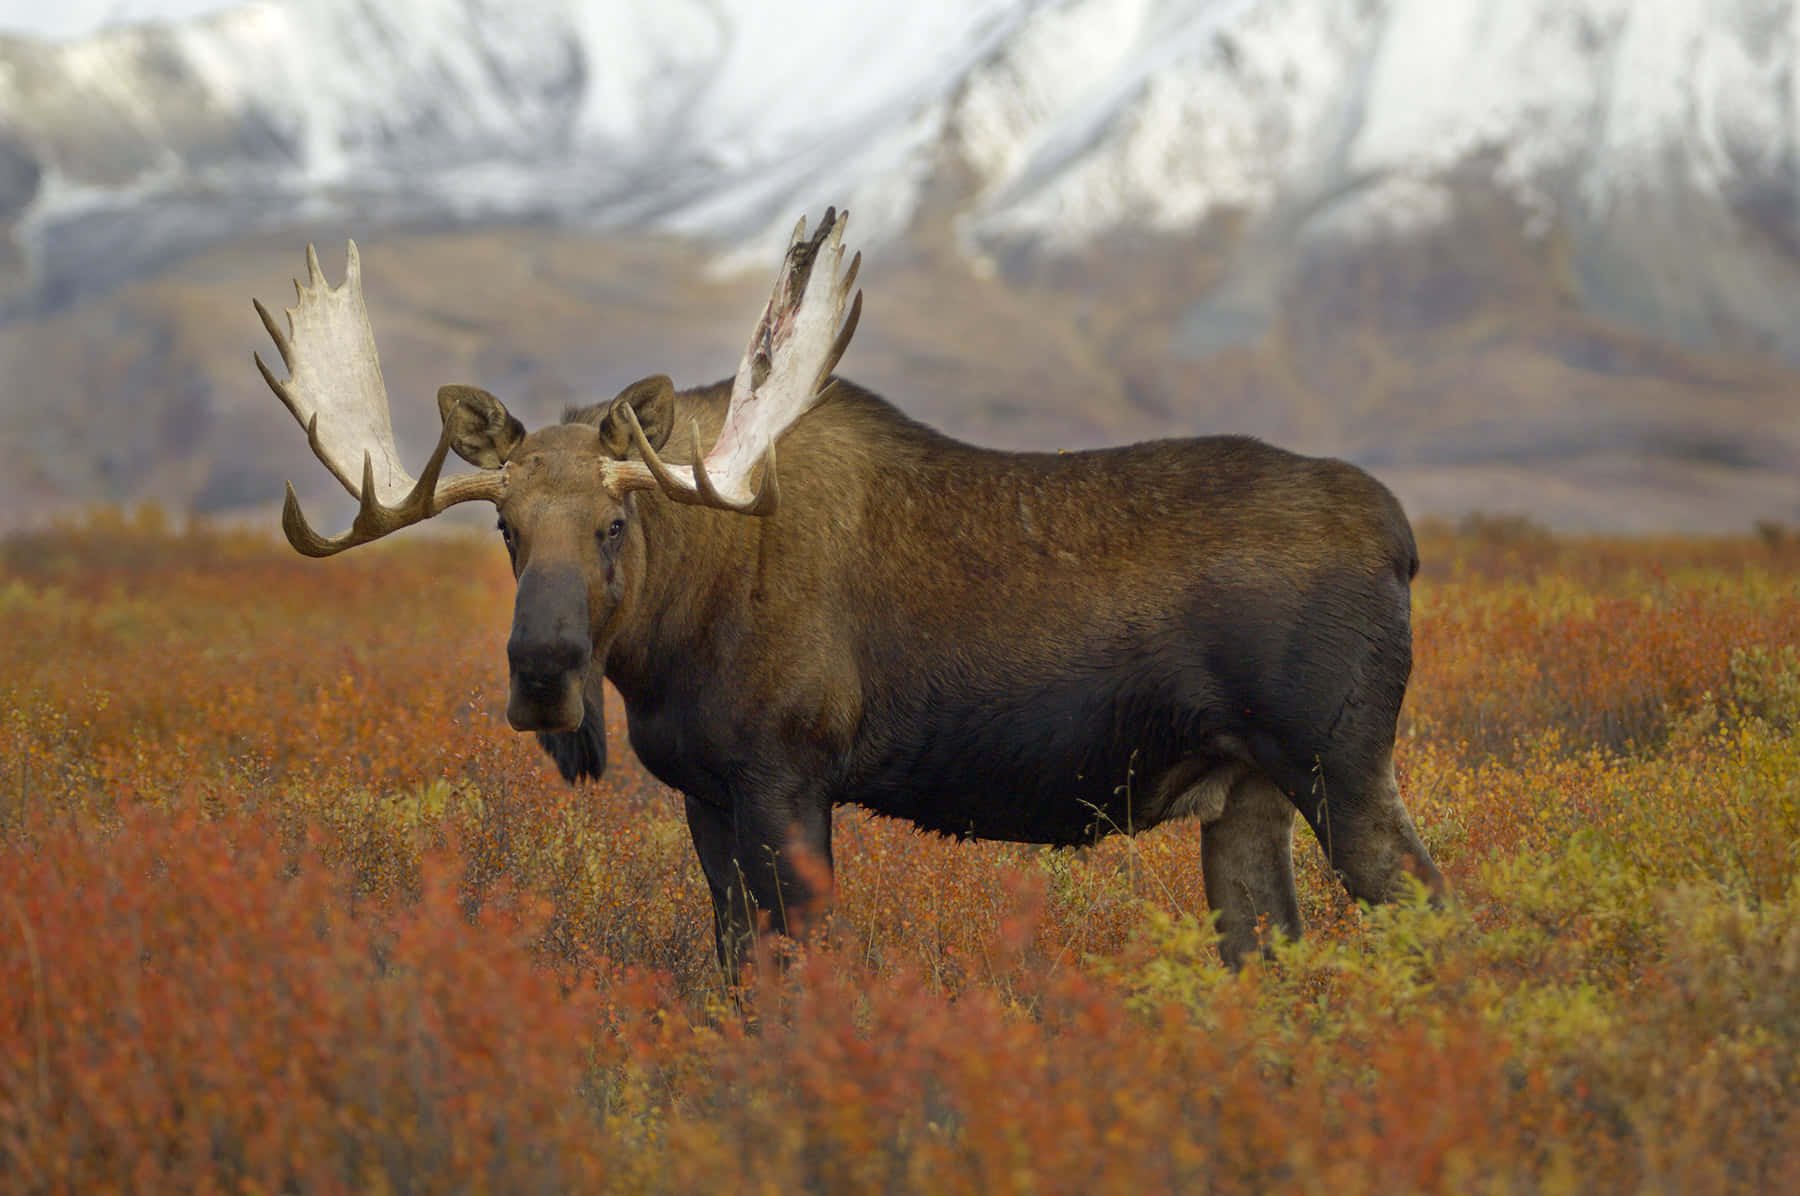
<point>1036,647</point>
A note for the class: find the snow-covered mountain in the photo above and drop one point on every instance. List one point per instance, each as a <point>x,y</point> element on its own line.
<point>1657,138</point>
<point>1534,255</point>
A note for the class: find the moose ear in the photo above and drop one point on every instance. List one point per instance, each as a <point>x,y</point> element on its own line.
<point>482,431</point>
<point>653,399</point>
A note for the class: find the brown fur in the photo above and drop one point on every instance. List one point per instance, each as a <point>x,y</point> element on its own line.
<point>1041,647</point>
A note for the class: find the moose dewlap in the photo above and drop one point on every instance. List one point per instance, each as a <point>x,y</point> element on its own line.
<point>1036,647</point>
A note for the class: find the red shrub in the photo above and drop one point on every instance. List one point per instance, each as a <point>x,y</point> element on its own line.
<point>184,1004</point>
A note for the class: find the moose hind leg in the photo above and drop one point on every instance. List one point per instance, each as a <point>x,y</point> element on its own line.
<point>1368,836</point>
<point>1247,857</point>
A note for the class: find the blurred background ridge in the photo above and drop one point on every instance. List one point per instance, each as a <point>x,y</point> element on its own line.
<point>1533,256</point>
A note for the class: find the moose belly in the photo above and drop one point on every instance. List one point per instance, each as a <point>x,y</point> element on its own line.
<point>1065,764</point>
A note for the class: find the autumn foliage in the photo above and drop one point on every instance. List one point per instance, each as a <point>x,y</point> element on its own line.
<point>284,906</point>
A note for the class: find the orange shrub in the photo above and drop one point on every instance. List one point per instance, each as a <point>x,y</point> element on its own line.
<point>284,905</point>
<point>1604,651</point>
<point>186,1004</point>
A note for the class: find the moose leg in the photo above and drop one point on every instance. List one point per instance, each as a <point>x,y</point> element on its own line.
<point>1368,837</point>
<point>783,849</point>
<point>1247,861</point>
<point>733,923</point>
<point>768,865</point>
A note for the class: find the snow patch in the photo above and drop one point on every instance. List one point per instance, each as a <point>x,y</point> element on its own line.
<point>1064,120</point>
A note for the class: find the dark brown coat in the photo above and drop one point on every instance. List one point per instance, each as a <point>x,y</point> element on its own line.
<point>1034,647</point>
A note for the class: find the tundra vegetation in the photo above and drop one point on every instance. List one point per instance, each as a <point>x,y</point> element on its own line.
<point>285,907</point>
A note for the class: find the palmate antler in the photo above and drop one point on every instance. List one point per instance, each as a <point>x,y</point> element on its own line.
<point>334,389</point>
<point>795,346</point>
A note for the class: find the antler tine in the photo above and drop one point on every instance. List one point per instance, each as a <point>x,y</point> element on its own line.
<point>795,345</point>
<point>300,534</point>
<point>373,520</point>
<point>768,493</point>
<point>843,338</point>
<point>850,274</point>
<point>371,523</point>
<point>276,335</point>
<point>702,492</point>
<point>709,494</point>
<point>335,391</point>
<point>659,473</point>
<point>763,502</point>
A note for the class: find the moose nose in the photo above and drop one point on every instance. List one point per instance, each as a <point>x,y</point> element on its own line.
<point>549,649</point>
<point>550,622</point>
<point>553,656</point>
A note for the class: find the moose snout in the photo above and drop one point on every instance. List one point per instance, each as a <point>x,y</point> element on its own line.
<point>549,650</point>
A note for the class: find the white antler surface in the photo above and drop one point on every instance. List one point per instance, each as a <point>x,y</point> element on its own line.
<point>334,389</point>
<point>334,385</point>
<point>796,345</point>
<point>791,352</point>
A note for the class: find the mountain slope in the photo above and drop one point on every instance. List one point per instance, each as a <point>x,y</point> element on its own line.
<point>1660,135</point>
<point>1538,237</point>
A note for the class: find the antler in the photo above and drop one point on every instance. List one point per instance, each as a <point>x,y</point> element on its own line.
<point>796,345</point>
<point>334,389</point>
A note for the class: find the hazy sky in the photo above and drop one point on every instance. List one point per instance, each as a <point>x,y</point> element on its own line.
<point>72,18</point>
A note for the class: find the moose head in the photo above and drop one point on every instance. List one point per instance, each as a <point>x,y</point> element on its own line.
<point>565,492</point>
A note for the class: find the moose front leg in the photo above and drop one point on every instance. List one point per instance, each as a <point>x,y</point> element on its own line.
<point>767,865</point>
<point>715,843</point>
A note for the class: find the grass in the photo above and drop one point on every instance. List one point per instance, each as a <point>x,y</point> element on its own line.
<point>284,906</point>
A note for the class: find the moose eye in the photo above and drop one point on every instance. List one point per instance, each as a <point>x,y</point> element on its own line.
<point>615,529</point>
<point>506,534</point>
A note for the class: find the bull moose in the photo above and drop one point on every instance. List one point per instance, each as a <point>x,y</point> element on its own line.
<point>1037,647</point>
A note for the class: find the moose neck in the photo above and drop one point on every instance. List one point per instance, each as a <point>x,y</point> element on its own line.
<point>681,588</point>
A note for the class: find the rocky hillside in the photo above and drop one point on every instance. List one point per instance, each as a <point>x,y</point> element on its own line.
<point>1534,256</point>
